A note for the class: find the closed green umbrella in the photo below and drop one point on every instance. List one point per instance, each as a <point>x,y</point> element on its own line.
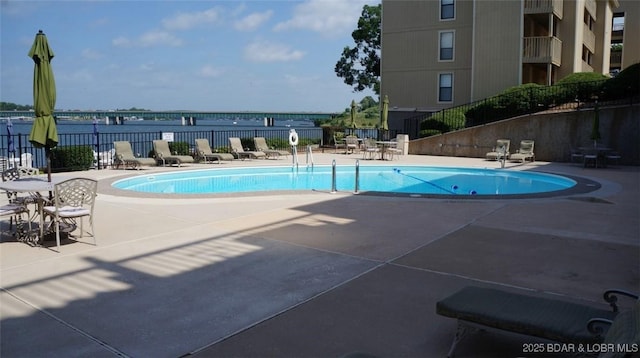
<point>44,133</point>
<point>385,114</point>
<point>384,125</point>
<point>354,125</point>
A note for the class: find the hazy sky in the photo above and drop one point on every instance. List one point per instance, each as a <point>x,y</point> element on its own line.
<point>183,55</point>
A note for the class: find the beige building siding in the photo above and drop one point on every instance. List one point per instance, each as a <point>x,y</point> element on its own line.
<point>497,51</point>
<point>410,59</point>
<point>631,36</point>
<point>489,46</point>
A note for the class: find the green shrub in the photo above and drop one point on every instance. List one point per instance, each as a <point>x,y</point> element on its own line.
<point>72,158</point>
<point>626,83</point>
<point>429,132</point>
<point>179,148</point>
<point>581,86</point>
<point>580,77</point>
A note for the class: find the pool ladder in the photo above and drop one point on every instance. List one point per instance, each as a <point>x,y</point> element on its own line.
<point>294,155</point>
<point>333,177</point>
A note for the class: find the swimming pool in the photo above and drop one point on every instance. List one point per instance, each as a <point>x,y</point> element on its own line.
<point>413,180</point>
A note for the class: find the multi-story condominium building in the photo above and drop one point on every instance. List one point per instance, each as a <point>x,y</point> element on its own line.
<point>442,53</point>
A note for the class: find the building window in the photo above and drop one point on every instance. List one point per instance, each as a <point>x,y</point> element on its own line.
<point>587,56</point>
<point>445,90</point>
<point>447,9</point>
<point>588,20</point>
<point>446,46</point>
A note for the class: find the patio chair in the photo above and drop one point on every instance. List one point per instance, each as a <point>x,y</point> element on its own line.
<point>19,203</point>
<point>501,148</point>
<point>351,143</point>
<point>576,155</point>
<point>524,153</point>
<point>236,147</point>
<point>163,153</point>
<point>338,143</point>
<point>371,150</point>
<point>540,316</point>
<point>261,145</point>
<point>123,156</point>
<point>103,159</point>
<point>613,157</point>
<point>26,160</point>
<point>73,200</point>
<point>203,149</point>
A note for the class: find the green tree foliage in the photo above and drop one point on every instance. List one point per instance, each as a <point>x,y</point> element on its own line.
<point>360,66</point>
<point>8,106</point>
<point>368,102</point>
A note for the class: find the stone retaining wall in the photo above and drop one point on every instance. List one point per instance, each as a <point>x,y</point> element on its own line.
<point>554,133</point>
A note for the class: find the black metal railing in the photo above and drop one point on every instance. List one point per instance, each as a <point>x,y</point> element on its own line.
<point>142,142</point>
<point>522,100</point>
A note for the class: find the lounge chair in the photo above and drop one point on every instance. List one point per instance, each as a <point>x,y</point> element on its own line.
<point>163,153</point>
<point>501,148</point>
<point>541,316</point>
<point>236,147</point>
<point>205,153</point>
<point>261,145</point>
<point>124,157</point>
<point>524,153</point>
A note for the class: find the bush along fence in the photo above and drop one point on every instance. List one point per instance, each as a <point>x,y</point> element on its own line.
<point>531,98</point>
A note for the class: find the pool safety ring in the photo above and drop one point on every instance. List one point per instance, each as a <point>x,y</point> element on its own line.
<point>293,137</point>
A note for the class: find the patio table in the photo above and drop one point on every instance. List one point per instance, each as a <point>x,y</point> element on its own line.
<point>35,186</point>
<point>600,154</point>
<point>384,146</point>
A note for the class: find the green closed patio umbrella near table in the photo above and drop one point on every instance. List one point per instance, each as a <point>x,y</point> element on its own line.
<point>44,133</point>
<point>353,125</point>
<point>384,125</point>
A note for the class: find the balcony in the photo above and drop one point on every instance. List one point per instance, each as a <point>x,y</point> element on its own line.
<point>542,49</point>
<point>590,5</point>
<point>544,7</point>
<point>588,38</point>
<point>615,59</point>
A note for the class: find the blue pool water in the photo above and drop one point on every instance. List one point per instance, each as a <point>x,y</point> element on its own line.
<point>389,179</point>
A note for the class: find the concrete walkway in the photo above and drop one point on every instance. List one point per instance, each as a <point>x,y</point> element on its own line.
<point>310,274</point>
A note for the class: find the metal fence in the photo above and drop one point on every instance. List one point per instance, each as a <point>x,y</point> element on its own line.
<point>522,100</point>
<point>25,154</point>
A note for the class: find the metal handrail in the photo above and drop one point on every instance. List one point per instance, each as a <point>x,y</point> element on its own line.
<point>333,176</point>
<point>357,184</point>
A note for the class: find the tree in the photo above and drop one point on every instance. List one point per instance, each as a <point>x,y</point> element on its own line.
<point>360,66</point>
<point>368,102</point>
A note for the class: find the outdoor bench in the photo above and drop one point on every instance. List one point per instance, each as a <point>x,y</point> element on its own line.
<point>545,317</point>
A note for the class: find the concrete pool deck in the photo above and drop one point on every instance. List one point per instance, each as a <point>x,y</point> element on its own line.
<point>310,274</point>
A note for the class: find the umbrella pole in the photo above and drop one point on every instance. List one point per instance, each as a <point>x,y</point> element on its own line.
<point>47,152</point>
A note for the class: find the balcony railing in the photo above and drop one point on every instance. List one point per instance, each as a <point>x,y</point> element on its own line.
<point>615,59</point>
<point>544,7</point>
<point>542,49</point>
<point>588,38</point>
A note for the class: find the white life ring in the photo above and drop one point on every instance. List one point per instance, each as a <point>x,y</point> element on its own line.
<point>293,137</point>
